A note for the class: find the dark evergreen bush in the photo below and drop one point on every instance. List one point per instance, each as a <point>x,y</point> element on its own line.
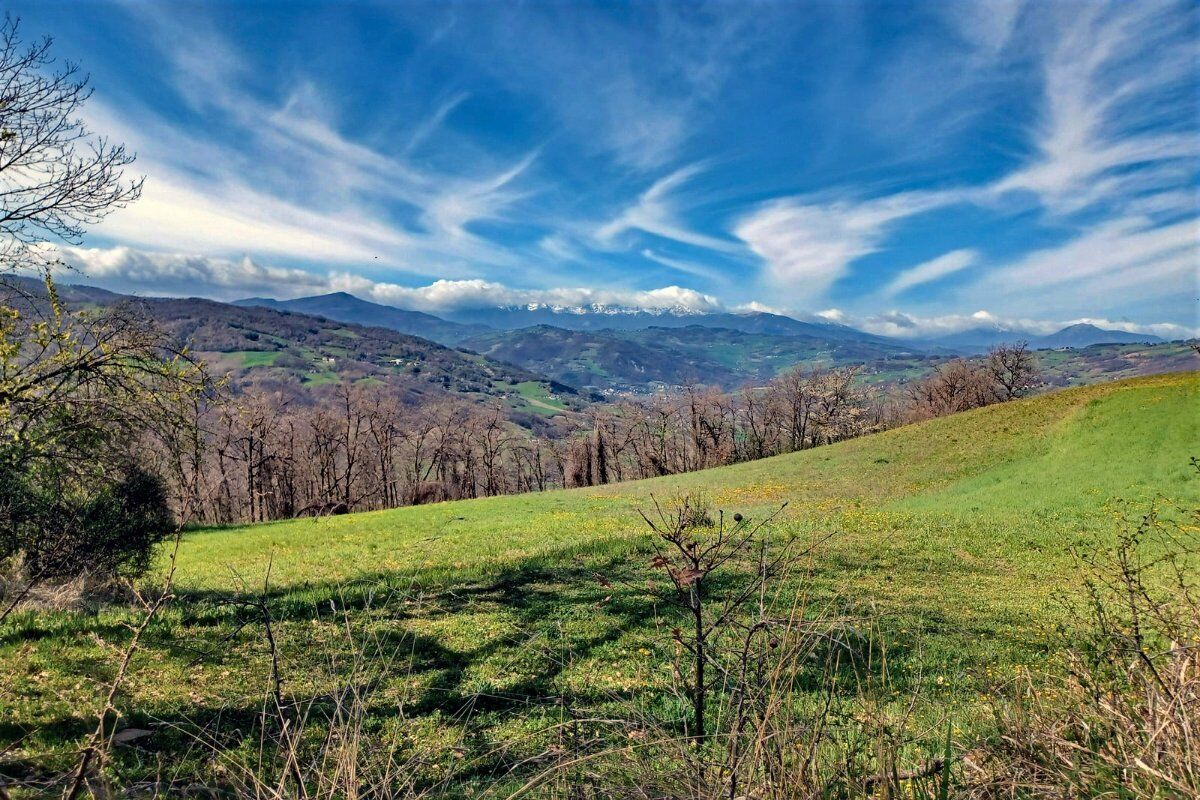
<point>108,528</point>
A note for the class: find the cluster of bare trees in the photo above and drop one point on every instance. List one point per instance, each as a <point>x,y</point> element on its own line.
<point>1006,373</point>
<point>361,447</point>
<point>700,428</point>
<point>265,456</point>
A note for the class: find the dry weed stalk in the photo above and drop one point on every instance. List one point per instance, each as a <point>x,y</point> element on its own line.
<point>101,739</point>
<point>324,746</point>
<point>784,699</point>
<point>1122,719</point>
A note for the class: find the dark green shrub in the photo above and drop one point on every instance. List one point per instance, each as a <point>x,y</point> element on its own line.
<point>108,529</point>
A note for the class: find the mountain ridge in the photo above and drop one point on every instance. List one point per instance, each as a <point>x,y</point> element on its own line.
<point>1080,334</point>
<point>261,348</point>
<point>349,308</point>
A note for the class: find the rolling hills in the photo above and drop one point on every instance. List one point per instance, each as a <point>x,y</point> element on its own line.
<point>1061,454</point>
<point>314,341</point>
<point>631,351</point>
<point>640,360</point>
<point>296,353</point>
<point>649,359</point>
<point>955,535</point>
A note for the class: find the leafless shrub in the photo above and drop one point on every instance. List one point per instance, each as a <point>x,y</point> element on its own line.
<point>783,699</point>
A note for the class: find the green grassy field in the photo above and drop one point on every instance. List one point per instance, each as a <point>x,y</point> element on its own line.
<point>956,535</point>
<point>536,397</point>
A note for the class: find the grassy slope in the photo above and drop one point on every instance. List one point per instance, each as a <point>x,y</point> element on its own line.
<point>1054,457</point>
<point>956,530</point>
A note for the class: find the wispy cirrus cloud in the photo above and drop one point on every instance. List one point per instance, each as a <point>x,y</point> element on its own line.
<point>632,87</point>
<point>1114,264</point>
<point>426,129</point>
<point>933,270</point>
<point>685,267</point>
<point>547,145</point>
<point>1109,128</point>
<point>657,212</point>
<point>1111,162</point>
<point>808,245</point>
<point>291,183</point>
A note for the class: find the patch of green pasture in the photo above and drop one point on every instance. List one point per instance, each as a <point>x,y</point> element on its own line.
<point>320,377</point>
<point>259,358</point>
<point>955,533</point>
<point>537,397</point>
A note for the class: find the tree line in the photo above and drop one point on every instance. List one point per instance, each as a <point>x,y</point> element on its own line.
<point>267,455</point>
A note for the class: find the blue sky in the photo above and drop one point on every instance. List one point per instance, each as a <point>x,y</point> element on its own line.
<point>909,168</point>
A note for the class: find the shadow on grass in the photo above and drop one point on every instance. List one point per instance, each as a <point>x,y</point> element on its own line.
<point>558,612</point>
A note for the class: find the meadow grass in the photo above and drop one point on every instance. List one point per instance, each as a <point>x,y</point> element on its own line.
<point>258,358</point>
<point>538,398</point>
<point>955,536</point>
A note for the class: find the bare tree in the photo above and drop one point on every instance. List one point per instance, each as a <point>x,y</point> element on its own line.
<point>1014,370</point>
<point>56,177</point>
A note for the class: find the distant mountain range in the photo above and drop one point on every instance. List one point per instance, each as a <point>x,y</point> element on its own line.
<point>1085,335</point>
<point>312,341</point>
<point>345,307</point>
<point>458,325</point>
<point>626,319</point>
<point>638,359</point>
<point>1079,335</point>
<point>631,349</point>
<point>296,354</point>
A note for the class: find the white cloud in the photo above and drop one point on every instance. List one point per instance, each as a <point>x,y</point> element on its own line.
<point>1104,78</point>
<point>182,213</point>
<point>686,267</point>
<point>761,308</point>
<point>1112,265</point>
<point>448,295</point>
<point>426,129</point>
<point>474,200</point>
<point>559,247</point>
<point>808,245</point>
<point>130,270</point>
<point>932,270</point>
<point>656,212</point>
<point>987,24</point>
